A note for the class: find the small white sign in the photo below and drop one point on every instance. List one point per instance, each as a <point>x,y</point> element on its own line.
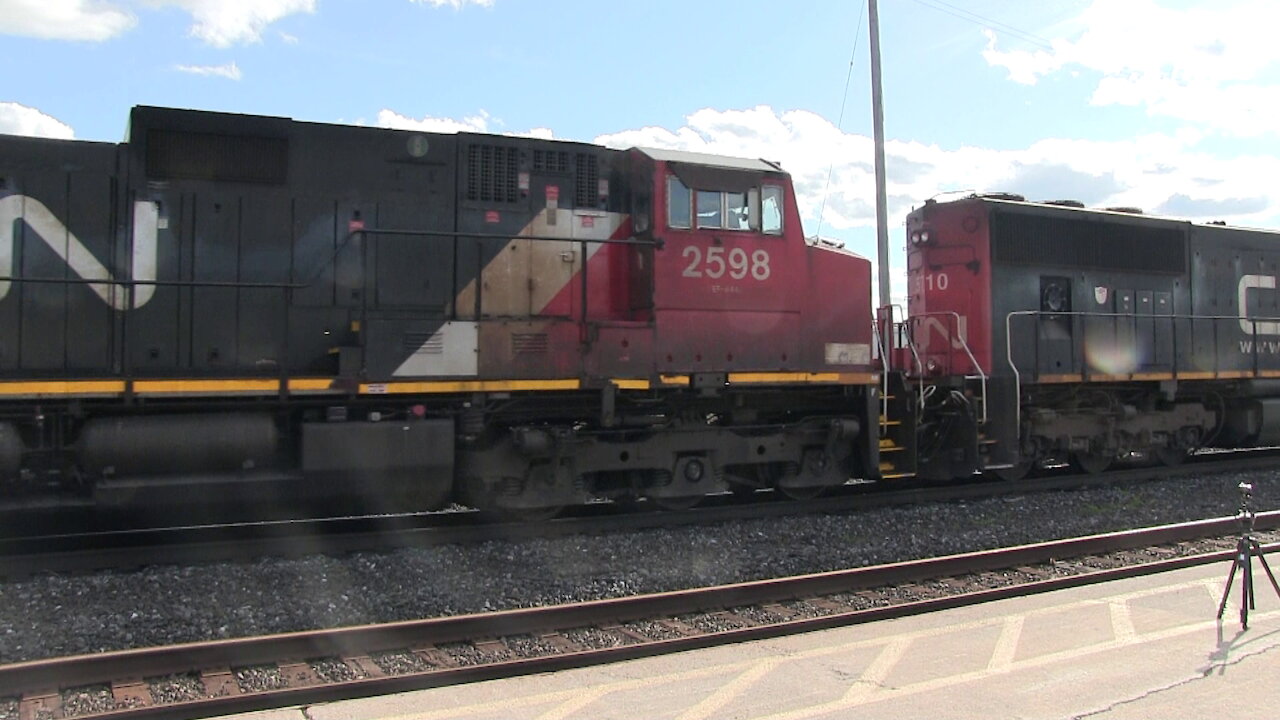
<point>848,353</point>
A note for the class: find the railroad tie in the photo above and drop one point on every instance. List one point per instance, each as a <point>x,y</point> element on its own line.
<point>131,693</point>
<point>490,646</point>
<point>298,674</point>
<point>561,643</point>
<point>682,627</point>
<point>40,704</point>
<point>219,682</point>
<point>633,636</point>
<point>364,666</point>
<point>827,605</point>
<point>435,657</point>
<point>782,611</point>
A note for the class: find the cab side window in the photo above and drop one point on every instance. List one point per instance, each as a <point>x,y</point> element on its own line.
<point>757,209</point>
<point>735,211</point>
<point>771,209</point>
<point>679,201</point>
<point>709,211</point>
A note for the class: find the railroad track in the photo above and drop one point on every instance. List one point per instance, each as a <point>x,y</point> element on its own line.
<point>193,544</point>
<point>228,676</point>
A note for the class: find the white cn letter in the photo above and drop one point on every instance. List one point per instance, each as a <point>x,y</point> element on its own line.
<point>1248,282</point>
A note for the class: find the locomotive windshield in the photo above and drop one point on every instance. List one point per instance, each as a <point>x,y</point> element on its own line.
<point>724,209</point>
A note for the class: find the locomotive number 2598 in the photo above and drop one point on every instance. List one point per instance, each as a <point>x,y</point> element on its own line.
<point>717,263</point>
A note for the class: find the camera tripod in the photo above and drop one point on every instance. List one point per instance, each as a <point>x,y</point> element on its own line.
<point>1246,549</point>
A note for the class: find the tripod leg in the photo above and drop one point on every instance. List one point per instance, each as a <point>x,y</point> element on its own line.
<point>1246,592</point>
<point>1222,606</point>
<point>1257,550</point>
<point>1248,580</point>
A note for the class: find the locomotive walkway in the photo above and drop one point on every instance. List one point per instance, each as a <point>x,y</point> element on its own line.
<point>1136,648</point>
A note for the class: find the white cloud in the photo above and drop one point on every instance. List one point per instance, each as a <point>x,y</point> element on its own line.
<point>64,19</point>
<point>223,23</point>
<point>288,39</point>
<point>393,119</point>
<point>1209,65</point>
<point>479,123</point>
<point>229,71</point>
<point>455,4</point>
<point>18,119</point>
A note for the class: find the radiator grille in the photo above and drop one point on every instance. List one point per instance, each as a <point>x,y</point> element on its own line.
<point>528,343</point>
<point>587,181</point>
<point>1098,244</point>
<point>205,156</point>
<point>551,161</point>
<point>492,173</point>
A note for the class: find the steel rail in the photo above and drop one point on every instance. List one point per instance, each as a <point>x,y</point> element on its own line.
<point>19,678</point>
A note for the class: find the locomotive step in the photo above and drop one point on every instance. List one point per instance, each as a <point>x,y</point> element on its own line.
<point>888,445</point>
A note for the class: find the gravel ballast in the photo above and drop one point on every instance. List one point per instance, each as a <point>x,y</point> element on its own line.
<point>63,615</point>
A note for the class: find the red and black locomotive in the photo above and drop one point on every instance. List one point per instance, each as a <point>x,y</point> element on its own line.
<point>1045,333</point>
<point>231,308</point>
<point>244,310</point>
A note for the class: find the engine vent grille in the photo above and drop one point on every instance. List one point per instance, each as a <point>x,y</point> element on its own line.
<point>551,161</point>
<point>205,156</point>
<point>492,173</point>
<point>423,343</point>
<point>587,181</point>
<point>1068,242</point>
<point>528,343</point>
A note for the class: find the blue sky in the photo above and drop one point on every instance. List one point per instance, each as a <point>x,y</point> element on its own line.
<point>1162,105</point>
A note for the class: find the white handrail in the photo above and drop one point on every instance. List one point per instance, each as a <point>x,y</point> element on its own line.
<point>884,372</point>
<point>964,345</point>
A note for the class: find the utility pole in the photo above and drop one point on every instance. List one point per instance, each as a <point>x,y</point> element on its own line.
<point>877,123</point>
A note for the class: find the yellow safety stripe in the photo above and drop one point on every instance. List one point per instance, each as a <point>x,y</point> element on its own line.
<point>148,387</point>
<point>62,387</point>
<point>215,386</point>
<point>1195,376</point>
<point>803,377</point>
<point>1052,379</point>
<point>453,386</point>
<point>1153,376</point>
<point>310,384</point>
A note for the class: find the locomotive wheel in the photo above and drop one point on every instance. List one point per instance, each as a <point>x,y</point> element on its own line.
<point>1015,473</point>
<point>1091,463</point>
<point>1171,457</point>
<point>473,492</point>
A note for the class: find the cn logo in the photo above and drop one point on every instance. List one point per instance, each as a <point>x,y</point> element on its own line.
<point>1258,282</point>
<point>934,324</point>
<point>46,226</point>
